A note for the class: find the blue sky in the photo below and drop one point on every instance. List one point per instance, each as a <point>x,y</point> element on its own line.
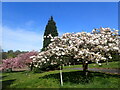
<point>24,22</point>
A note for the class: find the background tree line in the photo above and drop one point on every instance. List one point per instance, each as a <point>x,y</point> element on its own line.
<point>11,53</point>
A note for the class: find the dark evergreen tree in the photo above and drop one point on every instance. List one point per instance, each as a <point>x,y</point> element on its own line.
<point>49,29</point>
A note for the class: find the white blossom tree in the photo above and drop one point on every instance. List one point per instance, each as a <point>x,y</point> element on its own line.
<point>85,47</point>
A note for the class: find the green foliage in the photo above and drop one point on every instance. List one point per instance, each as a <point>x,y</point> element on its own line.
<point>37,70</point>
<point>4,55</point>
<point>116,57</point>
<point>49,29</point>
<point>11,54</point>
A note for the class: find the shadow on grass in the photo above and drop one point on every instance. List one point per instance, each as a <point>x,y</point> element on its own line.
<point>18,71</point>
<point>79,77</point>
<point>7,83</point>
<point>1,77</point>
<point>13,71</point>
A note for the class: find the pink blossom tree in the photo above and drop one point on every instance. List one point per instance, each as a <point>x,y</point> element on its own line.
<point>20,61</point>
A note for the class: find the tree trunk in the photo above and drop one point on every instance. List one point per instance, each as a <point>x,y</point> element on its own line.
<point>85,67</point>
<point>107,62</point>
<point>10,69</point>
<point>31,68</point>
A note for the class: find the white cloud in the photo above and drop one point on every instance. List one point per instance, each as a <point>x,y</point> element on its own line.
<point>21,39</point>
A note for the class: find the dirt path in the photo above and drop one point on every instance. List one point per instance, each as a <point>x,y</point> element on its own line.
<point>112,71</point>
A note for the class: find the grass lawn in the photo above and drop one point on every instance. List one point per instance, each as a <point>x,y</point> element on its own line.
<point>111,65</point>
<point>51,79</point>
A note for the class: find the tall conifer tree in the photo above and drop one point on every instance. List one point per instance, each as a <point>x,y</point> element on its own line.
<point>49,29</point>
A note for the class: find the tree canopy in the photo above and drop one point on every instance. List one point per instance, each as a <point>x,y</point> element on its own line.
<point>95,46</point>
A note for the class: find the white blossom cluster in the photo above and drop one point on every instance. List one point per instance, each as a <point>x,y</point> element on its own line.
<point>94,47</point>
<point>49,36</point>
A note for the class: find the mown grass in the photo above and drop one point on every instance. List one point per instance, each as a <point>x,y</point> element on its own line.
<point>51,79</point>
<point>111,65</point>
